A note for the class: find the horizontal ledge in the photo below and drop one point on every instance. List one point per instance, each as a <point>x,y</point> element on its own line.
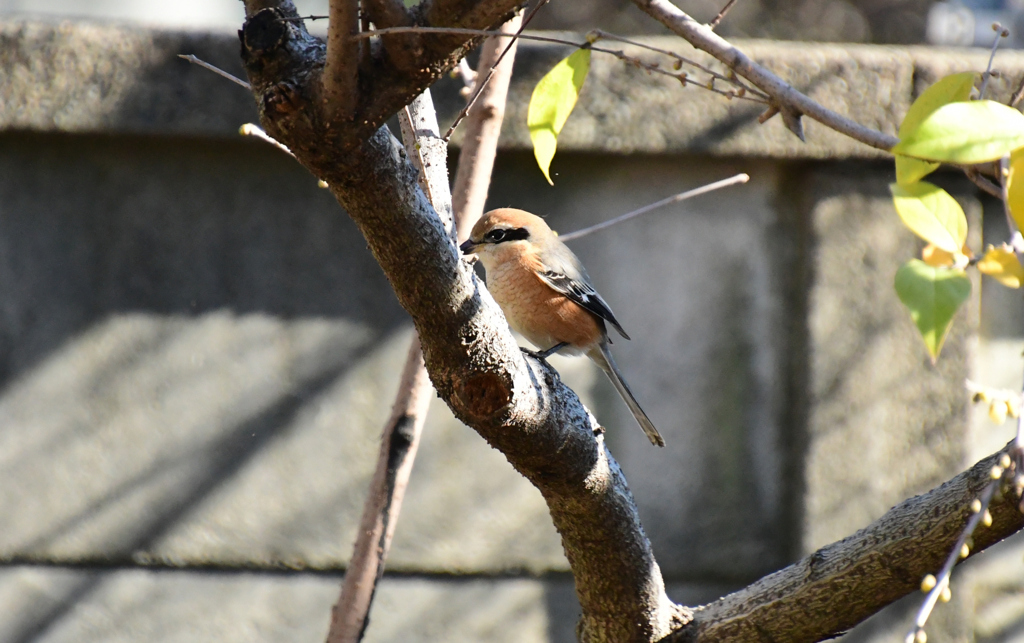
<point>86,77</point>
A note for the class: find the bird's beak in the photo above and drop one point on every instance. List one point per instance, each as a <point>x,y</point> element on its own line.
<point>468,247</point>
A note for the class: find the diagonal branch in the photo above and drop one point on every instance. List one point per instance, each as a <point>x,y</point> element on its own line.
<point>784,97</point>
<point>846,582</point>
<point>518,405</point>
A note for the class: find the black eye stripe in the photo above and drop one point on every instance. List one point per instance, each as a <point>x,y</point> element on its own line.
<point>500,235</point>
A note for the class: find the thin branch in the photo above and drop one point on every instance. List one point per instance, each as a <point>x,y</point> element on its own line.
<point>341,65</point>
<point>251,129</point>
<point>721,14</point>
<point>1018,93</point>
<point>682,77</point>
<point>681,60</point>
<point>1001,33</point>
<point>682,196</point>
<point>480,85</point>
<point>982,182</point>
<point>781,93</point>
<point>940,585</point>
<point>483,128</point>
<point>217,70</point>
<point>401,434</point>
<point>398,446</point>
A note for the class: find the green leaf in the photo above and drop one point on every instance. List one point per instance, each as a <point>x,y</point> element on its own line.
<point>965,133</point>
<point>910,170</point>
<point>553,100</point>
<point>951,89</point>
<point>933,296</point>
<point>932,214</point>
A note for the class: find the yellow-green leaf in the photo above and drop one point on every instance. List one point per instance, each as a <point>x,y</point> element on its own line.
<point>965,133</point>
<point>932,214</point>
<point>1015,187</point>
<point>951,89</point>
<point>910,170</point>
<point>933,296</point>
<point>553,100</point>
<point>1002,264</point>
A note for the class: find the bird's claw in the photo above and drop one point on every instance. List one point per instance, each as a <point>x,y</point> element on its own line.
<point>545,354</point>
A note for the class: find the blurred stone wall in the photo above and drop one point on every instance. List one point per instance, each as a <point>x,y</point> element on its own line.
<point>197,352</point>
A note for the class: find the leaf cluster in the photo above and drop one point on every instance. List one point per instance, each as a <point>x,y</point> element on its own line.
<point>945,126</point>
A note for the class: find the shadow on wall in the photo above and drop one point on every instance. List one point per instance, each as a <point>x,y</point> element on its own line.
<point>169,310</point>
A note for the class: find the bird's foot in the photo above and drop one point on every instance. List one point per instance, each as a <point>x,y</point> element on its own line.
<point>543,355</point>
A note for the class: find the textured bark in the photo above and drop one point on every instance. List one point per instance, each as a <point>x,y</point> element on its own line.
<point>844,583</point>
<point>520,406</point>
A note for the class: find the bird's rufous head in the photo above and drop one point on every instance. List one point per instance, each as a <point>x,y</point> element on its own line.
<point>502,228</point>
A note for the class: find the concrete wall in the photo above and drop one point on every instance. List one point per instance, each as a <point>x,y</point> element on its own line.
<point>197,353</point>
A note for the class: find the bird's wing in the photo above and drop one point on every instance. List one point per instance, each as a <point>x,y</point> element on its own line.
<point>563,272</point>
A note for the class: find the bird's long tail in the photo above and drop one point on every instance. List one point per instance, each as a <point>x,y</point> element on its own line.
<point>603,358</point>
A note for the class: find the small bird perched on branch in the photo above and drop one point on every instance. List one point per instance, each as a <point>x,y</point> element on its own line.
<point>547,296</point>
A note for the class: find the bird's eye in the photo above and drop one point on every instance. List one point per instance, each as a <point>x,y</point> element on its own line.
<point>495,236</point>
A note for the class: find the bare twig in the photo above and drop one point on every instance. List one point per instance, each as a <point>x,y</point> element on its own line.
<point>341,65</point>
<point>682,196</point>
<point>721,14</point>
<point>982,182</point>
<point>682,77</point>
<point>252,129</point>
<point>483,127</point>
<point>847,581</point>
<point>217,70</point>
<point>1000,34</point>
<point>781,93</point>
<point>399,443</point>
<point>401,434</point>
<point>1018,93</point>
<point>480,85</point>
<point>940,586</point>
<point>680,60</point>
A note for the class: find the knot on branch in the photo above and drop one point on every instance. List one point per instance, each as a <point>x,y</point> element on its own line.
<point>281,99</point>
<point>482,394</point>
<point>263,33</point>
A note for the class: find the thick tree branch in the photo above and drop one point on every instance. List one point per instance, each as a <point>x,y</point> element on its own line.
<point>341,68</point>
<point>387,13</point>
<point>518,405</point>
<point>401,436</point>
<point>521,408</point>
<point>844,583</point>
<point>404,52</point>
<point>784,97</point>
<point>391,81</point>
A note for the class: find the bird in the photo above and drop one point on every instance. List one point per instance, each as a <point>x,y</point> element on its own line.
<point>547,296</point>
